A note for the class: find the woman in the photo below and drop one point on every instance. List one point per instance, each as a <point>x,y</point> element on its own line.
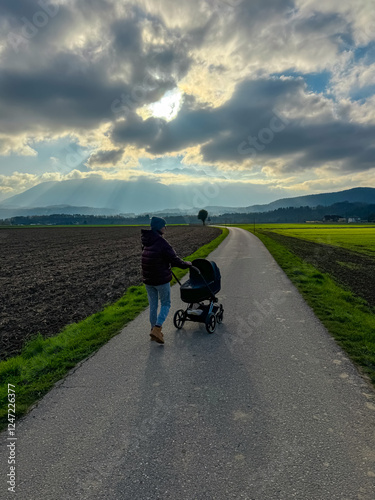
<point>157,259</point>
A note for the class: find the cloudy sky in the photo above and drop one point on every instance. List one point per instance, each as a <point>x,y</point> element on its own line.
<point>273,98</point>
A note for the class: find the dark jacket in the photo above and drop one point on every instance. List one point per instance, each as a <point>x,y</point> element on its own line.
<point>157,258</point>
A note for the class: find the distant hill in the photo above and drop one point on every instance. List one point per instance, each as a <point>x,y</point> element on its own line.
<point>355,195</point>
<point>94,192</point>
<point>7,213</point>
<point>340,212</point>
<point>96,196</point>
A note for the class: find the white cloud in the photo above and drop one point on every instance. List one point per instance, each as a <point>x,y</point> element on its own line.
<point>18,145</point>
<point>350,80</point>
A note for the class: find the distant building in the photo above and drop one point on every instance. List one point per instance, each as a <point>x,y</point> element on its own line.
<point>354,219</point>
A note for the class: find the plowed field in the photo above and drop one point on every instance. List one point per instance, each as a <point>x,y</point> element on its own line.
<point>353,270</point>
<point>51,277</point>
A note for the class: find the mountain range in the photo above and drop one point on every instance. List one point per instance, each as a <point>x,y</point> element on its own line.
<point>95,196</point>
<point>354,195</point>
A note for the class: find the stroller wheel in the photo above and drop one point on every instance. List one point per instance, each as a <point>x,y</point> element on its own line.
<point>220,314</point>
<point>211,323</point>
<point>179,318</point>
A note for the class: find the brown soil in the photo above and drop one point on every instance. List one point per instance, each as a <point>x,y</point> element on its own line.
<point>51,277</point>
<point>351,269</point>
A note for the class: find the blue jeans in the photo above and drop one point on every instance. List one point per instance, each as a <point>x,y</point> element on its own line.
<point>162,292</point>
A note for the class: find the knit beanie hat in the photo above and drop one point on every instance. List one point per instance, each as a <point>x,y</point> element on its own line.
<point>157,223</point>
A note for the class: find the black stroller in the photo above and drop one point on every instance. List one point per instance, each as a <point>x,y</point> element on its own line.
<point>203,284</point>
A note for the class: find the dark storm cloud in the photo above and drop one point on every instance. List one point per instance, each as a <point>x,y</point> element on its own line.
<point>91,8</point>
<point>249,11</point>
<point>169,59</point>
<point>127,36</point>
<point>67,93</point>
<point>18,9</point>
<point>323,26</point>
<point>172,60</point>
<point>111,157</point>
<point>43,84</point>
<point>252,125</point>
<point>319,22</point>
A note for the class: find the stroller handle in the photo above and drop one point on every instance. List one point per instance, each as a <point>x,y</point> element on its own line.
<point>195,269</point>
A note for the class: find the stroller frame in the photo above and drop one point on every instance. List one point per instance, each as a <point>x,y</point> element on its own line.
<point>210,314</point>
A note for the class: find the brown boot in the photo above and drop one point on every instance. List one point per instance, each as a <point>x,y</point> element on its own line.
<point>156,334</point>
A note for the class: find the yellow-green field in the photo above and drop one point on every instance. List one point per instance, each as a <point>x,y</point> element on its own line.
<point>359,238</point>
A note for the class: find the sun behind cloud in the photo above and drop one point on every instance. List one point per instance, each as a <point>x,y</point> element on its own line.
<point>168,106</point>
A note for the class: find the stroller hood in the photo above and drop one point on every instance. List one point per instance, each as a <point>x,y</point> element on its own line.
<point>203,285</point>
<point>208,270</point>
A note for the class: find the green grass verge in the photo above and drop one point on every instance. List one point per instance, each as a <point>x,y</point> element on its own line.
<point>349,319</point>
<point>43,362</point>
